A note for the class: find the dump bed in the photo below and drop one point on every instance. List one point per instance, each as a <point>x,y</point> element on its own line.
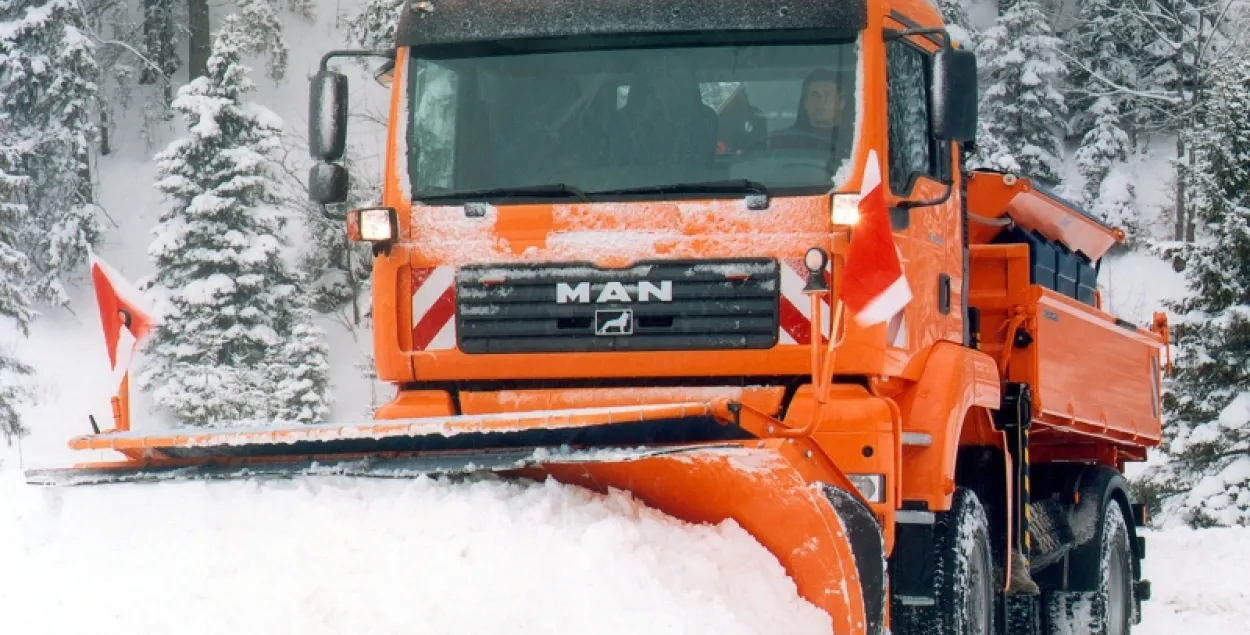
<point>1094,377</point>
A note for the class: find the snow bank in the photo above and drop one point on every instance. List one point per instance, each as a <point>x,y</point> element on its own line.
<point>334,555</point>
<point>1199,582</point>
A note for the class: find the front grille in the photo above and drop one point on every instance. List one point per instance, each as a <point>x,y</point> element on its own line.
<point>654,306</point>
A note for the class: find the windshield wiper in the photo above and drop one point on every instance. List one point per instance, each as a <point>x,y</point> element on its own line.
<point>554,189</point>
<point>735,186</point>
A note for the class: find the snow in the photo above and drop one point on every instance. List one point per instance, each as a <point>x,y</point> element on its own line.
<point>1198,582</point>
<point>333,554</point>
<point>330,554</point>
<point>1136,284</point>
<point>617,232</point>
<point>207,291</point>
<point>1237,412</point>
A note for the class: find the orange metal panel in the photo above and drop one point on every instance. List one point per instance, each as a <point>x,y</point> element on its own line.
<point>856,432</point>
<point>1091,377</point>
<point>1040,212</point>
<point>765,399</point>
<point>956,380</point>
<point>412,404</point>
<point>384,429</point>
<point>1095,377</point>
<point>388,317</point>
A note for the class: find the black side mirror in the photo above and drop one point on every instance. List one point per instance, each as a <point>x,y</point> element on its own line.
<point>327,120</point>
<point>327,183</point>
<point>955,96</point>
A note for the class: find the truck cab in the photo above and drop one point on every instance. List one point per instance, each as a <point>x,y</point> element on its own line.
<point>590,195</point>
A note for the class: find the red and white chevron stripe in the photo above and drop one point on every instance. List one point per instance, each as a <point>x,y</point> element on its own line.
<point>434,308</point>
<point>796,307</point>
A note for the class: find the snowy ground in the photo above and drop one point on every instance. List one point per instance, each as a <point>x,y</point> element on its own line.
<point>333,555</point>
<point>1199,580</point>
<point>329,556</point>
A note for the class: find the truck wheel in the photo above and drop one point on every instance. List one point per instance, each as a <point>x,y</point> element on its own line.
<point>965,592</point>
<point>1109,609</point>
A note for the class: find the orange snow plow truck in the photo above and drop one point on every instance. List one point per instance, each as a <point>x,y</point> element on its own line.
<point>611,251</point>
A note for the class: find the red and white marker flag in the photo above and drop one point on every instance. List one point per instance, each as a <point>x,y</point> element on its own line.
<point>125,318</point>
<point>873,285</point>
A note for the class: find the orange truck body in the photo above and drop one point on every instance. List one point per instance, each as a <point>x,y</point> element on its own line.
<point>904,399</point>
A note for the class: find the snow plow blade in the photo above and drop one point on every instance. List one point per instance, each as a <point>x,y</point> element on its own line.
<point>693,464</point>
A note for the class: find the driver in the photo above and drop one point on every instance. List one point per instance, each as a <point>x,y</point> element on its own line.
<point>815,124</point>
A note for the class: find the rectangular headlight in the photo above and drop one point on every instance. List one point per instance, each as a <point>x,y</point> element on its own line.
<point>373,224</point>
<point>845,209</point>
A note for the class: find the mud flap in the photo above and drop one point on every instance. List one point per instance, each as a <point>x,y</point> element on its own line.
<point>868,545</point>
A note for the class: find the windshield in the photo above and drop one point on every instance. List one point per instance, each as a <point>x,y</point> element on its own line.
<point>780,116</point>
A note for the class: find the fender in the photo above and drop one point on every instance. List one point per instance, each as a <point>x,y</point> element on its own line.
<point>955,380</point>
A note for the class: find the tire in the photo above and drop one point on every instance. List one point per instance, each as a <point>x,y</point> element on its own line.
<point>1108,610</point>
<point>1115,602</point>
<point>965,590</point>
<point>964,582</point>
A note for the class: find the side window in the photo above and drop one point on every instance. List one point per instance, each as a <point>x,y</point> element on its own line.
<point>434,126</point>
<point>911,146</point>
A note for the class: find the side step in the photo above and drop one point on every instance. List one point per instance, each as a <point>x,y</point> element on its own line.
<point>917,439</point>
<point>914,517</point>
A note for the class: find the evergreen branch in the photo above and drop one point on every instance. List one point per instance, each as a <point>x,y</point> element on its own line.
<point>1149,18</point>
<point>1118,89</point>
<point>143,58</point>
<point>1215,27</point>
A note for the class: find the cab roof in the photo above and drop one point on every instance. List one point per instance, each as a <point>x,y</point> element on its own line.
<point>449,22</point>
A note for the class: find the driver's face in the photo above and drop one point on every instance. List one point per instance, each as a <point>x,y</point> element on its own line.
<point>822,104</point>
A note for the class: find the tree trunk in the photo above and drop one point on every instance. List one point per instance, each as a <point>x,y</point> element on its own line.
<point>1182,173</point>
<point>1182,170</point>
<point>1191,220</point>
<point>105,146</point>
<point>151,40</point>
<point>200,43</point>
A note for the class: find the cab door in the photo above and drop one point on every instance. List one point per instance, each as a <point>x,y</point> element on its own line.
<point>930,234</point>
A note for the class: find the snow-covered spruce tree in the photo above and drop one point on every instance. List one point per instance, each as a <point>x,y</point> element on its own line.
<point>1107,46</point>
<point>1021,111</point>
<point>1184,38</point>
<point>1207,431</point>
<point>374,26</point>
<point>260,18</point>
<point>959,23</point>
<point>48,92</point>
<point>302,386</point>
<point>237,344</point>
<point>14,306</point>
<point>1103,147</point>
